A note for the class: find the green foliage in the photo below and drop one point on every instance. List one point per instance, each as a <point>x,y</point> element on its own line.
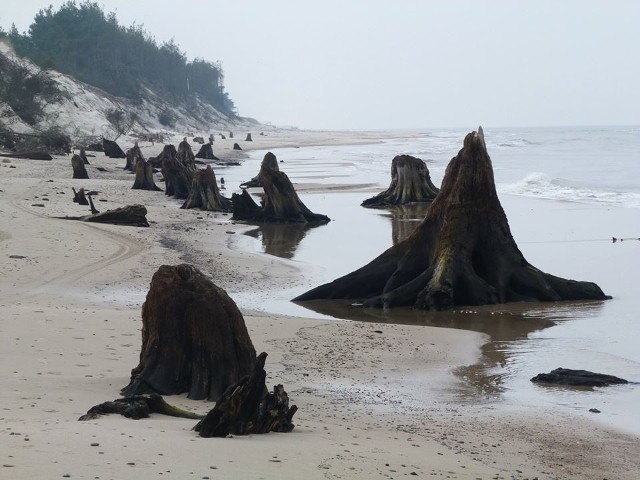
<point>83,41</point>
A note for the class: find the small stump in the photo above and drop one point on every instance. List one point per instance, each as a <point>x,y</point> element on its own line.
<point>79,170</point>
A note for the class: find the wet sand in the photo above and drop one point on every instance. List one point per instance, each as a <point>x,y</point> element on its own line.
<point>376,400</point>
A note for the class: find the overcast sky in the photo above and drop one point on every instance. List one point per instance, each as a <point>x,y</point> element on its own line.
<point>405,64</point>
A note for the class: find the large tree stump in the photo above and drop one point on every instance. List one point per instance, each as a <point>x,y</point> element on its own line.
<point>462,253</point>
<point>134,155</point>
<point>83,156</point>
<point>270,163</point>
<point>237,147</point>
<point>112,149</point>
<point>206,152</point>
<point>194,338</point>
<point>168,151</point>
<point>79,171</point>
<point>144,177</point>
<point>204,193</point>
<point>177,176</point>
<point>248,139</point>
<point>410,182</point>
<point>185,154</point>
<point>280,202</point>
<point>79,197</point>
<point>247,407</point>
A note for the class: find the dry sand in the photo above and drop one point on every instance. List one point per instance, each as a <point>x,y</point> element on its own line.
<point>375,400</point>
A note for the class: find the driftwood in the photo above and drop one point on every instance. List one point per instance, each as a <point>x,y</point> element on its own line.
<point>248,408</point>
<point>79,171</point>
<point>280,202</point>
<point>567,376</point>
<point>199,140</point>
<point>410,182</point>
<point>112,149</point>
<point>134,155</point>
<point>236,147</point>
<point>206,152</point>
<point>194,338</point>
<point>144,177</point>
<point>204,193</point>
<point>83,156</point>
<point>462,253</point>
<point>79,197</point>
<point>269,162</point>
<point>137,407</point>
<point>132,215</point>
<point>28,155</point>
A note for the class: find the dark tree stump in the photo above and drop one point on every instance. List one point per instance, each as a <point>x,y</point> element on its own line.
<point>131,215</point>
<point>585,378</point>
<point>206,152</point>
<point>236,147</point>
<point>144,177</point>
<point>410,182</point>
<point>199,140</point>
<point>79,197</point>
<point>168,151</point>
<point>248,139</point>
<point>222,137</point>
<point>194,338</point>
<point>83,156</point>
<point>269,162</point>
<point>462,253</point>
<point>204,193</point>
<point>230,134</point>
<point>134,155</point>
<point>212,138</point>
<point>280,202</point>
<point>178,177</point>
<point>247,407</point>
<point>137,407</point>
<point>112,149</point>
<point>185,154</point>
<point>79,171</point>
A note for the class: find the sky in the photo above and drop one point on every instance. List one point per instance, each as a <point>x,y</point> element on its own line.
<point>373,64</point>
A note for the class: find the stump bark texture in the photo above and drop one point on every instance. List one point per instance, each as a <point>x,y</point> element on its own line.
<point>205,194</point>
<point>185,154</point>
<point>111,149</point>
<point>134,155</point>
<point>137,407</point>
<point>79,170</point>
<point>462,253</point>
<point>178,175</point>
<point>194,338</point>
<point>206,152</point>
<point>79,197</point>
<point>269,163</point>
<point>410,182</point>
<point>83,156</point>
<point>144,177</point>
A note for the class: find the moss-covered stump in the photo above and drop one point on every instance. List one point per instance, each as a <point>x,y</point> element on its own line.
<point>462,253</point>
<point>194,338</point>
<point>410,182</point>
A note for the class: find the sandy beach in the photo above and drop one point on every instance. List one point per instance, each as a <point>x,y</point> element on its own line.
<point>376,400</point>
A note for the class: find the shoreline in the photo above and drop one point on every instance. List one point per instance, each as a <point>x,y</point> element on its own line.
<point>71,334</point>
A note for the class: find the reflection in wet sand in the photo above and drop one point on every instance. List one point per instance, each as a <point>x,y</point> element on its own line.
<point>280,239</point>
<point>405,219</point>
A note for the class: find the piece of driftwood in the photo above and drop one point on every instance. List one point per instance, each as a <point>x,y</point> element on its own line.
<point>199,140</point>
<point>137,407</point>
<point>79,170</point>
<point>112,149</point>
<point>248,408</point>
<point>462,253</point>
<point>280,203</point>
<point>131,215</point>
<point>28,155</point>
<point>194,338</point>
<point>206,152</point>
<point>79,197</point>
<point>205,194</point>
<point>144,177</point>
<point>410,182</point>
<point>133,155</point>
<point>567,376</point>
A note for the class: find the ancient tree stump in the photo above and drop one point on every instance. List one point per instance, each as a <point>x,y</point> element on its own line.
<point>199,140</point>
<point>204,193</point>
<point>178,176</point>
<point>410,182</point>
<point>280,202</point>
<point>79,171</point>
<point>112,149</point>
<point>194,338</point>
<point>137,407</point>
<point>185,154</point>
<point>248,139</point>
<point>83,156</point>
<point>584,378</point>
<point>236,147</point>
<point>246,408</point>
<point>206,152</point>
<point>144,177</point>
<point>269,162</point>
<point>168,151</point>
<point>230,134</point>
<point>134,155</point>
<point>462,253</point>
<point>79,197</point>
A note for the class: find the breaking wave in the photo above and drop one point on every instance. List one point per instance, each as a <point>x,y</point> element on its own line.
<point>540,185</point>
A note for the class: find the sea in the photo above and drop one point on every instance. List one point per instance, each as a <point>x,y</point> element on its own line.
<point>572,197</point>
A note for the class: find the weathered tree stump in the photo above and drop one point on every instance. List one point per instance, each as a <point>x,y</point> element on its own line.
<point>585,378</point>
<point>185,154</point>
<point>137,407</point>
<point>144,177</point>
<point>236,147</point>
<point>269,162</point>
<point>134,155</point>
<point>204,193</point>
<point>177,177</point>
<point>206,152</point>
<point>131,215</point>
<point>199,140</point>
<point>79,171</point>
<point>248,139</point>
<point>410,182</point>
<point>230,134</point>
<point>194,338</point>
<point>83,156</point>
<point>222,137</point>
<point>280,202</point>
<point>247,408</point>
<point>112,149</point>
<point>79,197</point>
<point>168,151</point>
<point>93,208</point>
<point>212,138</point>
<point>462,253</point>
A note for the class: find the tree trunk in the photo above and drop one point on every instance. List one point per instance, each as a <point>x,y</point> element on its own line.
<point>584,378</point>
<point>185,154</point>
<point>169,151</point>
<point>247,408</point>
<point>462,253</point>
<point>177,176</point>
<point>112,149</point>
<point>410,182</point>
<point>83,156</point>
<point>134,155</point>
<point>79,197</point>
<point>131,215</point>
<point>144,177</point>
<point>79,171</point>
<point>280,202</point>
<point>194,338</point>
<point>206,152</point>
<point>204,193</point>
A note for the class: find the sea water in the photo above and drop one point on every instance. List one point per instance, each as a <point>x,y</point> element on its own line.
<point>566,191</point>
